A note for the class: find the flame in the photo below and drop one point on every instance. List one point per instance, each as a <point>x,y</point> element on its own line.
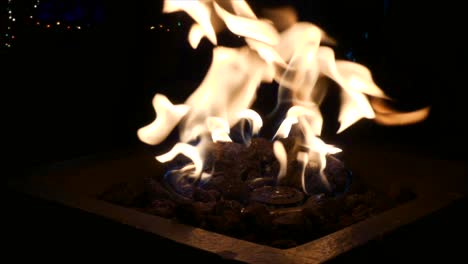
<point>241,8</point>
<point>219,129</point>
<point>254,118</point>
<point>282,157</point>
<point>168,115</point>
<point>292,117</point>
<point>200,11</point>
<point>195,35</point>
<point>282,17</point>
<point>186,150</point>
<point>228,89</point>
<point>386,115</point>
<point>252,28</point>
<point>303,158</point>
<point>282,50</point>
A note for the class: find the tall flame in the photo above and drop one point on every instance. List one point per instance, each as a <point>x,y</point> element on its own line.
<point>281,156</point>
<point>294,58</point>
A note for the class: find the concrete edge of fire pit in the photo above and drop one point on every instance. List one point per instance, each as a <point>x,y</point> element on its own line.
<point>226,247</point>
<point>316,251</point>
<point>61,187</point>
<point>375,227</point>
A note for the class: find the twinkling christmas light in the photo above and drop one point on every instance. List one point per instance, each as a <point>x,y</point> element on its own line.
<point>81,14</point>
<point>8,35</point>
<point>51,15</point>
<point>166,28</point>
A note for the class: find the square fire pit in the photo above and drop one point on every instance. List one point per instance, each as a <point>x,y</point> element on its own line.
<point>78,183</point>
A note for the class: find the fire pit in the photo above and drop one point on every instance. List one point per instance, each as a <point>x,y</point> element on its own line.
<point>279,184</point>
<point>243,199</point>
<point>80,184</point>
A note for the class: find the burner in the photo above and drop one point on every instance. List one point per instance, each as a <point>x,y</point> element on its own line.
<point>277,195</point>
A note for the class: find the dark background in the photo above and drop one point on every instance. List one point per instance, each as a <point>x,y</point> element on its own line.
<point>75,92</point>
<point>69,93</point>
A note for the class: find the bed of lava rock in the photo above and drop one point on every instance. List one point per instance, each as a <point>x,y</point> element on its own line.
<point>243,199</point>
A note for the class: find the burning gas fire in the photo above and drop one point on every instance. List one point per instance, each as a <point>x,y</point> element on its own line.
<point>295,58</point>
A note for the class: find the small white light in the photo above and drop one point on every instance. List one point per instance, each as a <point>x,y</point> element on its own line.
<point>13,20</point>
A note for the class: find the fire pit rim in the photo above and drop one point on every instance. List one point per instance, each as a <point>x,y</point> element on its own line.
<point>318,250</point>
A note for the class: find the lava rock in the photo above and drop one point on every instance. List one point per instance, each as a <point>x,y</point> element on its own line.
<point>234,189</point>
<point>204,208</point>
<point>228,205</point>
<point>337,175</point>
<point>201,195</point>
<point>163,207</point>
<point>217,223</point>
<point>361,212</point>
<point>314,216</point>
<point>226,220</point>
<point>400,194</point>
<point>257,217</point>
<point>260,182</point>
<point>155,190</point>
<point>314,201</point>
<point>337,178</point>
<point>189,214</point>
<point>121,194</point>
<point>289,221</point>
<point>215,194</point>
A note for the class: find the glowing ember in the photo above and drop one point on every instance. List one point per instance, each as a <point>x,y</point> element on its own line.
<point>294,58</point>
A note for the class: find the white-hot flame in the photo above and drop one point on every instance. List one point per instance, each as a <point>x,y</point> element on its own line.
<point>254,118</point>
<point>241,8</point>
<point>187,150</point>
<point>200,11</point>
<point>168,116</point>
<point>311,113</point>
<point>249,27</point>
<point>294,57</point>
<point>303,158</point>
<point>219,129</point>
<point>228,89</point>
<point>282,157</point>
<point>195,35</point>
